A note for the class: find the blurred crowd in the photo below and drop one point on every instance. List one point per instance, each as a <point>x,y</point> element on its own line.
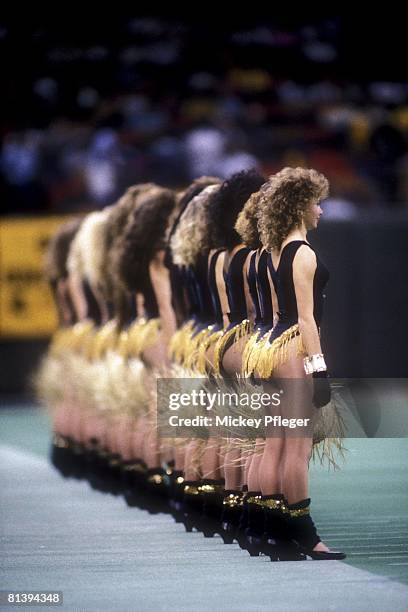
<point>92,112</point>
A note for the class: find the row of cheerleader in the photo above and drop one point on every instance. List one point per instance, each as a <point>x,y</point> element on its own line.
<point>213,286</point>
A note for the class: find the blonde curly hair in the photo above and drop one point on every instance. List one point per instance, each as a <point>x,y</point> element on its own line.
<point>193,233</point>
<point>247,222</point>
<point>283,201</point>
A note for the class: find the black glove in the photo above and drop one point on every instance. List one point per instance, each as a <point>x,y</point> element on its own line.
<point>321,389</point>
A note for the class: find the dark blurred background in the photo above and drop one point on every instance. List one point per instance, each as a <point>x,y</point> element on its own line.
<point>92,106</point>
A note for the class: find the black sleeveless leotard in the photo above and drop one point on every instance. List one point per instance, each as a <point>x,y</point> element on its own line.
<point>283,280</point>
<point>206,313</point>
<point>234,282</point>
<point>212,285</point>
<point>253,289</point>
<point>264,289</point>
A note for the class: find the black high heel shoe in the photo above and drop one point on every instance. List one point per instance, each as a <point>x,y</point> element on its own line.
<point>303,531</point>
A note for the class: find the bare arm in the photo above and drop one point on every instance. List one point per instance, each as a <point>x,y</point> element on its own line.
<point>222,291</point>
<point>77,296</point>
<point>139,301</point>
<point>304,268</point>
<point>160,278</point>
<point>65,304</point>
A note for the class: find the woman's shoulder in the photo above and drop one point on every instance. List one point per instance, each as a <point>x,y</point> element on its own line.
<point>305,257</point>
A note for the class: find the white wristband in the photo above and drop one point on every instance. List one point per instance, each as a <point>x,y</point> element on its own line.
<point>314,363</point>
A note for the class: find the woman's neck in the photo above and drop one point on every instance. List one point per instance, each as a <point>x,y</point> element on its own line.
<point>298,233</point>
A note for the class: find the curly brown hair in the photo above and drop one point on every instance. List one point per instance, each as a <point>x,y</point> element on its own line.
<point>143,235</point>
<point>118,218</point>
<point>283,201</point>
<point>55,266</point>
<point>247,222</point>
<point>192,235</point>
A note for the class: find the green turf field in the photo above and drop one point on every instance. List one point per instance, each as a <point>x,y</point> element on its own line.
<point>61,534</point>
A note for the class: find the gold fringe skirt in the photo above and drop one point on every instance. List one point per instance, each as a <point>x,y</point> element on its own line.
<point>179,342</point>
<point>202,364</point>
<point>195,345</point>
<point>252,351</point>
<point>235,333</point>
<point>142,334</point>
<point>266,356</point>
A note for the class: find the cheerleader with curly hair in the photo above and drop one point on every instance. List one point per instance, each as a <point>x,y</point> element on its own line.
<point>291,359</point>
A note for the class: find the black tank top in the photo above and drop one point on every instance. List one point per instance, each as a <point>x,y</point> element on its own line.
<point>253,288</point>
<point>264,288</point>
<point>212,285</point>
<point>234,280</point>
<point>283,279</point>
<point>193,300</point>
<point>206,313</point>
<point>178,292</point>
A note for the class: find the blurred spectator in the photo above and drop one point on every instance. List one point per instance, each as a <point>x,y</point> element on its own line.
<point>149,99</point>
<point>20,166</point>
<point>102,166</point>
<point>339,208</point>
<point>204,147</point>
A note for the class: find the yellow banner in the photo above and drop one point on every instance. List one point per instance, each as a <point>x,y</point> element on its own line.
<point>26,306</point>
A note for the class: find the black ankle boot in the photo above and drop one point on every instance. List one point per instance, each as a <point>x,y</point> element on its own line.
<point>176,489</point>
<point>276,538</point>
<point>232,505</point>
<point>213,495</point>
<point>61,455</point>
<point>79,460</point>
<point>243,519</point>
<point>157,482</point>
<point>192,496</point>
<point>255,524</point>
<point>176,485</point>
<point>191,505</point>
<point>302,530</point>
<point>113,473</point>
<point>134,490</point>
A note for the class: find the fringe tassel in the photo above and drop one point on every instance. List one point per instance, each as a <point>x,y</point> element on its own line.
<point>179,341</point>
<point>149,334</point>
<point>142,334</point>
<point>251,353</point>
<point>328,434</point>
<point>104,339</point>
<point>123,346</point>
<point>239,331</point>
<point>193,346</point>
<point>202,365</point>
<point>273,355</point>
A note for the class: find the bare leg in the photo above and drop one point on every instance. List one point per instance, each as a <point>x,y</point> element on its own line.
<point>232,366</point>
<point>179,455</point>
<point>253,472</point>
<point>232,467</point>
<point>192,460</point>
<point>210,460</point>
<point>296,403</point>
